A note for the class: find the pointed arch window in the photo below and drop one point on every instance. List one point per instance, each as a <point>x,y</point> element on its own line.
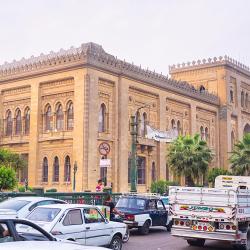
<point>67,169</point>
<point>102,120</point>
<point>202,89</point>
<point>45,169</point>
<point>246,100</point>
<point>138,122</point>
<point>206,134</point>
<point>173,124</point>
<point>18,118</point>
<point>70,117</point>
<point>9,123</point>
<point>48,119</point>
<point>153,172</point>
<point>27,121</point>
<point>59,118</point>
<point>242,99</point>
<point>231,96</point>
<point>56,170</point>
<point>179,127</point>
<point>202,133</point>
<point>143,124</point>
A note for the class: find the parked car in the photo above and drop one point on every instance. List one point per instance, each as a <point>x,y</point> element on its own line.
<point>22,206</point>
<point>143,211</point>
<point>45,245</point>
<point>81,223</point>
<point>22,230</point>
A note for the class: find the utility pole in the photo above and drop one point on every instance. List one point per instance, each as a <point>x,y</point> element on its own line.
<point>133,166</point>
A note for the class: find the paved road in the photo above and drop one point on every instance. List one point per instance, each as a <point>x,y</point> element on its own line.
<point>160,239</point>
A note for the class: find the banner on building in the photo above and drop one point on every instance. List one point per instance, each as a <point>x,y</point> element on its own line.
<point>105,163</point>
<point>161,136</point>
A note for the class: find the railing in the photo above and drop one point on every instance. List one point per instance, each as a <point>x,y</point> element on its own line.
<point>71,197</point>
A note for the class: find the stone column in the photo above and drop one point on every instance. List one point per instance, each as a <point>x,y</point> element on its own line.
<point>34,136</point>
<point>80,83</point>
<point>123,133</point>
<point>193,119</point>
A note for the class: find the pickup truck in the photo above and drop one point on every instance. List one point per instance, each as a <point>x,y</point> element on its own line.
<point>221,213</point>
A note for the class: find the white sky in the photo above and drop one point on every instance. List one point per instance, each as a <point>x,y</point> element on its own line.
<point>153,33</point>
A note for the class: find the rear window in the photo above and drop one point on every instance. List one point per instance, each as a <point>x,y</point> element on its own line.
<point>131,203</point>
<point>13,204</point>
<point>43,214</point>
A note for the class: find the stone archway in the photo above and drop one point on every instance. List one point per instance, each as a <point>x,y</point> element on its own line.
<point>246,129</point>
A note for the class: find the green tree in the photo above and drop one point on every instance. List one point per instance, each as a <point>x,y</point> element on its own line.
<point>240,156</point>
<point>8,180</point>
<point>214,172</point>
<point>161,186</point>
<point>189,156</point>
<point>11,159</point>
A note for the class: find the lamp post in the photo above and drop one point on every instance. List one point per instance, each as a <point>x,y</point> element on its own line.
<point>74,180</point>
<point>133,167</point>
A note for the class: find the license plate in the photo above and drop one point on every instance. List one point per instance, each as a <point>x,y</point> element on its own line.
<point>203,226</point>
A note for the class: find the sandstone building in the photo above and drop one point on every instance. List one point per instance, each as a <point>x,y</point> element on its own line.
<point>74,107</point>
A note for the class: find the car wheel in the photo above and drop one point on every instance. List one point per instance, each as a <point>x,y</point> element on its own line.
<point>126,236</point>
<point>196,242</point>
<point>145,228</point>
<point>116,243</point>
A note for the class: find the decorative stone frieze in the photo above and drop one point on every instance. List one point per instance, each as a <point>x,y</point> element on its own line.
<point>94,55</point>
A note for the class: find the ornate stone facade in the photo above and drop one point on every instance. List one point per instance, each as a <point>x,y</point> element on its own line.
<point>75,107</point>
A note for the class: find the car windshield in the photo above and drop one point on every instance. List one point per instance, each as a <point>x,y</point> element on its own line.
<point>131,203</point>
<point>13,204</point>
<point>43,214</point>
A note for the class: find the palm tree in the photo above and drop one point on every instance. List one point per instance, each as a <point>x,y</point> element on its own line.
<point>189,156</point>
<point>240,157</point>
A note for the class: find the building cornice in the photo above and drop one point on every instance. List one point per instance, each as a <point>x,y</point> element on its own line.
<point>208,63</point>
<point>91,54</point>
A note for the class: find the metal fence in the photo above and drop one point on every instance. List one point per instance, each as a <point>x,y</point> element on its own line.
<point>71,197</point>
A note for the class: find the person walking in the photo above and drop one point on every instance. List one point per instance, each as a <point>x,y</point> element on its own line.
<point>99,187</point>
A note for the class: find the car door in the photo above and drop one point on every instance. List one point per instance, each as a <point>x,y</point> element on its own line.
<point>162,213</point>
<point>71,226</point>
<point>98,231</point>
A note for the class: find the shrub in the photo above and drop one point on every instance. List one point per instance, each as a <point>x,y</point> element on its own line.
<point>214,172</point>
<point>8,180</point>
<point>161,186</point>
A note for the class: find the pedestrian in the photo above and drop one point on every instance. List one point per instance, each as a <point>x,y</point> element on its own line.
<point>113,211</point>
<point>99,187</point>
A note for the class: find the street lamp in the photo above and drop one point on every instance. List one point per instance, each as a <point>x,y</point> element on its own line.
<point>133,166</point>
<point>74,180</point>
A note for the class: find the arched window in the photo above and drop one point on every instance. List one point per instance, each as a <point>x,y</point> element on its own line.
<point>27,121</point>
<point>67,169</point>
<point>246,129</point>
<point>70,117</point>
<point>246,100</point>
<point>202,133</point>
<point>231,96</point>
<point>18,117</point>
<point>102,119</point>
<point>48,119</point>
<point>138,122</point>
<point>45,169</point>
<point>59,118</point>
<point>206,134</point>
<point>56,170</point>
<point>153,174</point>
<point>242,99</point>
<point>141,170</point>
<point>232,140</point>
<point>9,123</point>
<point>143,124</point>
<point>173,124</point>
<point>179,127</point>
<point>202,89</point>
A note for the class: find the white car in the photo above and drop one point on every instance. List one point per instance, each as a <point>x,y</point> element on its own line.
<point>22,206</point>
<point>46,245</point>
<point>81,223</point>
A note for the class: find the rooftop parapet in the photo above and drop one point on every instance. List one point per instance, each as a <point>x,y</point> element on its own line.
<point>94,55</point>
<point>216,61</point>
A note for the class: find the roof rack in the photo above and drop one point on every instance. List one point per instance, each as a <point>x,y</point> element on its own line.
<point>144,195</point>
